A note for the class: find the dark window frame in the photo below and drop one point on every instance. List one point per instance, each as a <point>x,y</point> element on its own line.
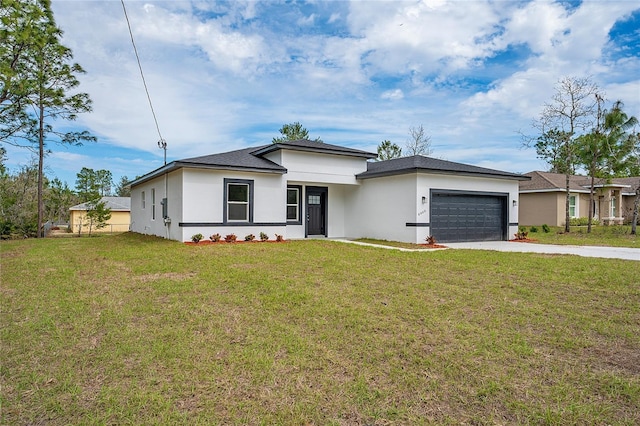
<point>225,204</point>
<point>287,205</point>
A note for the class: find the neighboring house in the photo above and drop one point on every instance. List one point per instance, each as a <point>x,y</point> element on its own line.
<point>120,215</point>
<point>543,199</point>
<point>303,189</point>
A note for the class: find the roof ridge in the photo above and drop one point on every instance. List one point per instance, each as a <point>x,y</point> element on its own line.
<point>541,174</point>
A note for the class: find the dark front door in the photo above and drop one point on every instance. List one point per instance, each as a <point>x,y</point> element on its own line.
<point>316,198</point>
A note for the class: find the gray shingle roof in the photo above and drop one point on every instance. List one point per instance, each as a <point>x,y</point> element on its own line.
<point>252,159</point>
<point>115,204</point>
<point>547,181</point>
<point>239,159</point>
<point>313,146</point>
<point>433,165</point>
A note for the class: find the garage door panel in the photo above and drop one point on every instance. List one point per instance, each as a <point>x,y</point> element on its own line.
<point>468,217</point>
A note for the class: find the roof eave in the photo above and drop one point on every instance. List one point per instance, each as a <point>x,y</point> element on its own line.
<point>541,190</point>
<point>186,165</point>
<point>278,146</point>
<point>368,175</point>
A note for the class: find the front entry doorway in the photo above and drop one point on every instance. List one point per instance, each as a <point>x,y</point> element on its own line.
<point>316,206</point>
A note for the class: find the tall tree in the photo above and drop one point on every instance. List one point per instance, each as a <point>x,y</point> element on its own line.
<point>632,168</point>
<point>104,179</point>
<point>388,150</point>
<point>419,142</point>
<point>604,150</point>
<point>48,79</point>
<point>87,184</point>
<point>123,189</point>
<point>59,198</point>
<point>552,147</point>
<point>293,132</point>
<point>571,111</point>
<point>19,34</point>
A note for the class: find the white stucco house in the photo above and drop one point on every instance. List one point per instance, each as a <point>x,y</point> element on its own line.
<point>303,189</point>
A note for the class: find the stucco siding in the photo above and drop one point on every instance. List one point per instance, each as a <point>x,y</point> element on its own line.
<point>146,216</point>
<point>325,168</point>
<point>427,182</point>
<point>381,207</point>
<point>539,208</point>
<point>203,203</point>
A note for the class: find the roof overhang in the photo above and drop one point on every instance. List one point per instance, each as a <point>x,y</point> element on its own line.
<point>175,165</point>
<point>334,150</point>
<point>369,175</point>
<point>547,190</point>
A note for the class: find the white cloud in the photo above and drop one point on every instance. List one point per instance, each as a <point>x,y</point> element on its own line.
<point>227,75</point>
<point>392,95</point>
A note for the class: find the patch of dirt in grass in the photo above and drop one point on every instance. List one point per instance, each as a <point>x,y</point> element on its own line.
<point>174,276</point>
<point>619,356</point>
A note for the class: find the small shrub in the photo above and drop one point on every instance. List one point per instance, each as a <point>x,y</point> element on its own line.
<point>231,238</point>
<point>264,237</point>
<point>522,234</point>
<point>196,238</point>
<point>215,238</point>
<point>545,228</point>
<point>279,238</point>
<point>431,240</point>
<point>533,229</point>
<point>582,221</point>
<point>250,237</point>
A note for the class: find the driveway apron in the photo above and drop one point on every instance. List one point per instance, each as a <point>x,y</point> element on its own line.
<point>625,253</point>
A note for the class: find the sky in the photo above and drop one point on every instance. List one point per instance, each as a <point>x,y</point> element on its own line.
<point>227,75</point>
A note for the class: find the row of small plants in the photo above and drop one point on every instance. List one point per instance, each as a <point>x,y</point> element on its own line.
<point>582,221</point>
<point>232,238</point>
<point>523,234</point>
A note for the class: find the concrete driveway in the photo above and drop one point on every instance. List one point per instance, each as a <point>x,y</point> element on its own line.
<point>586,251</point>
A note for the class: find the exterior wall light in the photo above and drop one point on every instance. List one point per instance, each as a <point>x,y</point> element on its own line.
<point>424,200</point>
<point>515,203</point>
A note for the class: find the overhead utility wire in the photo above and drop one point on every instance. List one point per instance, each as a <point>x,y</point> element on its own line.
<point>162,144</point>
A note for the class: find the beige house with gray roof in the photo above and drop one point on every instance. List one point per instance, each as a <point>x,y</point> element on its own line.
<point>543,198</point>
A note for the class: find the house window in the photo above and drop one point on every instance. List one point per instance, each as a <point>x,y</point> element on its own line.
<point>238,200</point>
<point>144,202</point>
<point>613,207</point>
<point>314,199</point>
<point>153,204</point>
<point>293,204</point>
<point>572,206</point>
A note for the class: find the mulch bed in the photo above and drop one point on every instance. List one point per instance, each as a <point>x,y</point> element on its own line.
<point>432,246</point>
<point>209,242</point>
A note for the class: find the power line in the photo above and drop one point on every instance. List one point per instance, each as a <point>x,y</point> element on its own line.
<point>162,144</point>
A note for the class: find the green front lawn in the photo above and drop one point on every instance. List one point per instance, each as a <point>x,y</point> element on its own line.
<point>129,329</point>
<point>611,236</point>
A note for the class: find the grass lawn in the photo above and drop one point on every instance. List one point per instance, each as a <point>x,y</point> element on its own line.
<point>130,329</point>
<point>612,236</point>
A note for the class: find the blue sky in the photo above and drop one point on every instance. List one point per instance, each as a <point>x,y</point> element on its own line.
<point>228,75</point>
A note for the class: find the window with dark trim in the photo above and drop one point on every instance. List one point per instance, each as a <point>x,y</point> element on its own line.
<point>238,200</point>
<point>153,204</point>
<point>294,207</point>
<point>144,203</point>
